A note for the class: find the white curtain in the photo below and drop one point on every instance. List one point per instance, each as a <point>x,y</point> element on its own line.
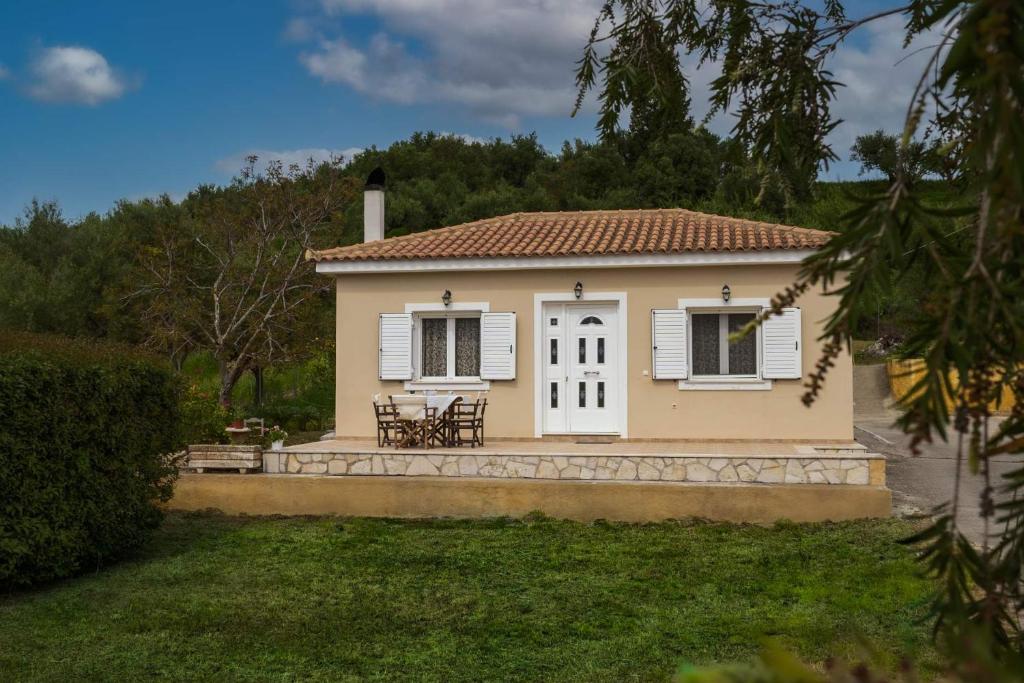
<point>467,347</point>
<point>742,354</point>
<point>435,348</point>
<point>705,344</point>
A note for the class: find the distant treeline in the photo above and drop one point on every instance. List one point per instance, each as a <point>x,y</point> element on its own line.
<point>81,277</point>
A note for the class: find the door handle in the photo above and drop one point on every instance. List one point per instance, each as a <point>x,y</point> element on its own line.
<point>591,373</point>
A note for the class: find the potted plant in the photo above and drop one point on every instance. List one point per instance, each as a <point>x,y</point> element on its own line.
<point>277,437</point>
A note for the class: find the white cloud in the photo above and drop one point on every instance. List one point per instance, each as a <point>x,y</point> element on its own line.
<point>880,78</point>
<point>300,157</point>
<point>77,75</point>
<point>501,60</point>
<point>504,60</point>
<point>877,72</point>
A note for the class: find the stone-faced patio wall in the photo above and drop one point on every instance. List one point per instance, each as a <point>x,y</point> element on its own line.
<point>825,469</point>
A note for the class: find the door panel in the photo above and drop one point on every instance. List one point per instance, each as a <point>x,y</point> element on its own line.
<point>580,372</point>
<point>592,370</point>
<point>555,358</point>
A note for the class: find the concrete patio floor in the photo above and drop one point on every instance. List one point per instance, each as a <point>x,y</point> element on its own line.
<point>616,448</point>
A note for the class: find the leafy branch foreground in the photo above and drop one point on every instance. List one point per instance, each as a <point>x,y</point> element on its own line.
<point>222,598</point>
<point>969,104</point>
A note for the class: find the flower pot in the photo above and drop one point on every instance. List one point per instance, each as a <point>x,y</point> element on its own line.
<point>277,445</point>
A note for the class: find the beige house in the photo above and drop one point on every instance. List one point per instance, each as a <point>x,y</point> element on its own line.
<point>601,340</point>
<point>609,323</point>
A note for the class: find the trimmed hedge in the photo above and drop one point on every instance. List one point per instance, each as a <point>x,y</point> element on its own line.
<point>86,436</point>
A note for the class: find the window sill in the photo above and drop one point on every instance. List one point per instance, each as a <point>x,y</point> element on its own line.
<point>716,385</point>
<point>448,385</point>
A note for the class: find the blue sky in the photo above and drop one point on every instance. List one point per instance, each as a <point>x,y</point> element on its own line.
<point>100,101</point>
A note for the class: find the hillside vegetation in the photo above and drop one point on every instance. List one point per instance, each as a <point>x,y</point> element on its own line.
<point>81,277</point>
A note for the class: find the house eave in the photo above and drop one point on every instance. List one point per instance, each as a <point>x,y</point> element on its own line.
<point>720,258</point>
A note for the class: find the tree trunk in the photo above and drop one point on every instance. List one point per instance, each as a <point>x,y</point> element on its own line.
<point>230,373</point>
<point>178,360</point>
<point>257,375</point>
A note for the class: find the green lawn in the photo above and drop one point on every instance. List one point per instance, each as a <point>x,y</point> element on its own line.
<point>217,597</point>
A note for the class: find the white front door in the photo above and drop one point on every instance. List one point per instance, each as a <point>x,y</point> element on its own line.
<point>581,368</point>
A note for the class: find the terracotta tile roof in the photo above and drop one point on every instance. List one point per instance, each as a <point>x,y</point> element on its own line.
<point>584,233</point>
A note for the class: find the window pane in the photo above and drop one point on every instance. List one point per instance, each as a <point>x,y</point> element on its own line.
<point>742,354</point>
<point>600,394</point>
<point>600,349</point>
<point>554,352</point>
<point>583,394</point>
<point>705,344</point>
<point>435,348</point>
<point>467,347</point>
<point>554,394</point>
<point>583,349</point>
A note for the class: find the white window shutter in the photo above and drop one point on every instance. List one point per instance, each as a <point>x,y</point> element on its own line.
<point>781,341</point>
<point>394,360</point>
<point>668,337</point>
<point>497,346</point>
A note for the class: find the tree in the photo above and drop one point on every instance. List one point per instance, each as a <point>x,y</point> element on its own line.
<point>57,274</point>
<point>887,154</point>
<point>433,178</point>
<point>971,320</point>
<point>41,236</point>
<point>23,304</point>
<point>677,169</point>
<point>773,73</point>
<point>225,271</point>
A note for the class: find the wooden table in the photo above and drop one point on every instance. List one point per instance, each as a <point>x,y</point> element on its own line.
<point>419,414</point>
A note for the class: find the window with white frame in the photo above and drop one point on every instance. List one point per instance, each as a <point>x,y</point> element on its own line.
<point>713,356</point>
<point>449,346</point>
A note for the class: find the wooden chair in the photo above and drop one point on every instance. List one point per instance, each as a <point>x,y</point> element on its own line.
<point>478,430</point>
<point>442,433</point>
<point>388,426</point>
<point>413,428</point>
<point>467,416</point>
<point>420,432</point>
<point>431,428</point>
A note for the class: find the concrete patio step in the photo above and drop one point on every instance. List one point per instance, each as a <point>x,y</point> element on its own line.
<point>665,462</point>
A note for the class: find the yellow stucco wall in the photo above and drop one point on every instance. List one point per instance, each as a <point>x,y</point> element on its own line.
<point>628,501</point>
<point>657,409</point>
<point>905,374</point>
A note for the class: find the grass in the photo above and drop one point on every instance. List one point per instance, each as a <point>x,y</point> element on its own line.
<point>216,597</point>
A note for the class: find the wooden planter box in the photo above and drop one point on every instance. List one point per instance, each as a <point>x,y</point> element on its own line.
<point>217,457</point>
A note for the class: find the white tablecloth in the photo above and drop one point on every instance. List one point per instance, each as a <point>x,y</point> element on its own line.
<point>414,407</point>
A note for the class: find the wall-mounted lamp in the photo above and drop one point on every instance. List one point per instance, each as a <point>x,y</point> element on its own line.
<point>726,293</point>
<point>578,290</point>
<point>446,298</point>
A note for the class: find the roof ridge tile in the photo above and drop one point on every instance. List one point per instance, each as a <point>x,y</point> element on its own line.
<point>584,232</point>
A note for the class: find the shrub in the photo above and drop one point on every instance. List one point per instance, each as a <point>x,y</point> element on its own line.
<point>203,418</point>
<point>295,416</point>
<point>86,436</point>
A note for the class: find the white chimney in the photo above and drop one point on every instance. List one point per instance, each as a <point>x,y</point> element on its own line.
<point>373,206</point>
